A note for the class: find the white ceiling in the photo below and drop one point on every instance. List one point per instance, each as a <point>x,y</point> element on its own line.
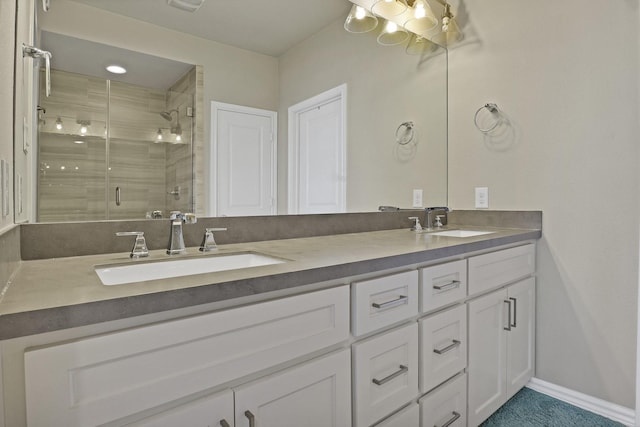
<point>270,27</point>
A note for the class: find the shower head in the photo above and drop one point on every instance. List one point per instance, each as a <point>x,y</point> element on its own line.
<point>167,114</point>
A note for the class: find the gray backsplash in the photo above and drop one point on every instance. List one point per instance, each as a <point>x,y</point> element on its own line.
<point>56,240</point>
<point>9,253</point>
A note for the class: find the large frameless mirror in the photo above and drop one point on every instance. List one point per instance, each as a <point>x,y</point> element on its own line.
<point>106,148</point>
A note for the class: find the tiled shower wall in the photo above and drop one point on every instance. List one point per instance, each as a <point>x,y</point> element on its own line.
<point>71,179</point>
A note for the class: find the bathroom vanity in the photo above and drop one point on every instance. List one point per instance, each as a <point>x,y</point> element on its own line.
<point>386,328</point>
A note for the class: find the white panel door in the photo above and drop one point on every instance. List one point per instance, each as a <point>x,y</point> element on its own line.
<point>314,394</point>
<point>487,355</point>
<point>317,154</point>
<point>244,159</point>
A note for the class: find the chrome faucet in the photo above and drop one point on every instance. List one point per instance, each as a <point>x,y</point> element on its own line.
<point>429,221</point>
<point>176,239</point>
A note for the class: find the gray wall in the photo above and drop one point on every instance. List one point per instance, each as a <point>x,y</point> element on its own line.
<point>566,74</point>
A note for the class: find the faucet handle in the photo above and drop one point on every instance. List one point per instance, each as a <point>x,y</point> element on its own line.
<point>208,242</point>
<point>139,247</point>
<point>416,226</point>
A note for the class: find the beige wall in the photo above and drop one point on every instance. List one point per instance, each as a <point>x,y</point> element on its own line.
<point>567,76</point>
<point>7,45</point>
<point>385,87</point>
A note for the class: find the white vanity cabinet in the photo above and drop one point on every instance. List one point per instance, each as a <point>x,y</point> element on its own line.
<point>79,383</point>
<point>501,347</point>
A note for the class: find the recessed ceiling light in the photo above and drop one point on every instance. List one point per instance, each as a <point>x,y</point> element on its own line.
<point>116,69</point>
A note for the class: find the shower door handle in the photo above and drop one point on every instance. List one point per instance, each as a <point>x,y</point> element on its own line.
<point>117,196</point>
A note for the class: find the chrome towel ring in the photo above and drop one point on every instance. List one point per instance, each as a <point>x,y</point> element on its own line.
<point>405,133</point>
<point>489,114</point>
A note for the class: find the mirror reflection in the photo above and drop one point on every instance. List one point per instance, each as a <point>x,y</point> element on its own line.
<point>220,167</point>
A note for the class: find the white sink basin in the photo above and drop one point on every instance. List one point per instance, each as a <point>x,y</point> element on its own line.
<point>142,271</point>
<point>460,233</point>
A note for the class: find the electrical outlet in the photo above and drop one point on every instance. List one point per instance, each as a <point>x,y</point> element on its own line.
<point>482,197</point>
<point>417,198</point>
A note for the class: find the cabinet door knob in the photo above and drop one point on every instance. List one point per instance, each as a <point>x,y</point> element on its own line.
<point>251,418</point>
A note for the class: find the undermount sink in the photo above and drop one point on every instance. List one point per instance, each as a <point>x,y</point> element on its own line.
<point>460,233</point>
<point>154,270</point>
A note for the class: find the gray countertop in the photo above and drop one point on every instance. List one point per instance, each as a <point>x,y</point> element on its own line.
<point>59,293</point>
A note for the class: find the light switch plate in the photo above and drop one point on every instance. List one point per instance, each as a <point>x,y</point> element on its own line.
<point>482,197</point>
<point>417,198</point>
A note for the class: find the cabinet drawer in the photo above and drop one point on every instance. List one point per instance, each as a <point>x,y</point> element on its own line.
<point>141,368</point>
<point>407,417</point>
<point>384,301</point>
<point>446,405</point>
<point>499,268</point>
<point>385,374</point>
<point>442,284</point>
<point>443,346</point>
<point>205,412</point>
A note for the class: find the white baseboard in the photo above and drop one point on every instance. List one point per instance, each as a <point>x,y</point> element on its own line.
<point>609,410</point>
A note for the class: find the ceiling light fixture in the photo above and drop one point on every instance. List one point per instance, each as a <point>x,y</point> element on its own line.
<point>423,19</point>
<point>404,16</point>
<point>116,69</point>
<point>360,20</point>
<point>389,7</point>
<point>392,34</point>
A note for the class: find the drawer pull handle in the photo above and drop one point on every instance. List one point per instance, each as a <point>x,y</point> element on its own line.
<point>451,420</point>
<point>397,373</point>
<point>251,417</point>
<point>452,284</point>
<point>508,327</point>
<point>402,299</point>
<point>454,344</point>
<point>224,423</point>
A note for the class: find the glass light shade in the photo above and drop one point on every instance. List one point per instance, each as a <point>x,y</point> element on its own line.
<point>389,7</point>
<point>450,34</point>
<point>392,34</point>
<point>360,20</point>
<point>419,45</point>
<point>423,19</point>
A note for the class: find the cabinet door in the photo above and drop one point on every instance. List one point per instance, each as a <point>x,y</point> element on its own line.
<point>521,337</point>
<point>314,394</point>
<point>210,411</point>
<point>487,355</point>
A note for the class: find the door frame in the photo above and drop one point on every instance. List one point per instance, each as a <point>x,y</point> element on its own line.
<point>213,152</point>
<point>337,93</point>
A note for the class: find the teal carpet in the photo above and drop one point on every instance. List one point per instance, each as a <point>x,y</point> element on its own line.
<point>529,408</point>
